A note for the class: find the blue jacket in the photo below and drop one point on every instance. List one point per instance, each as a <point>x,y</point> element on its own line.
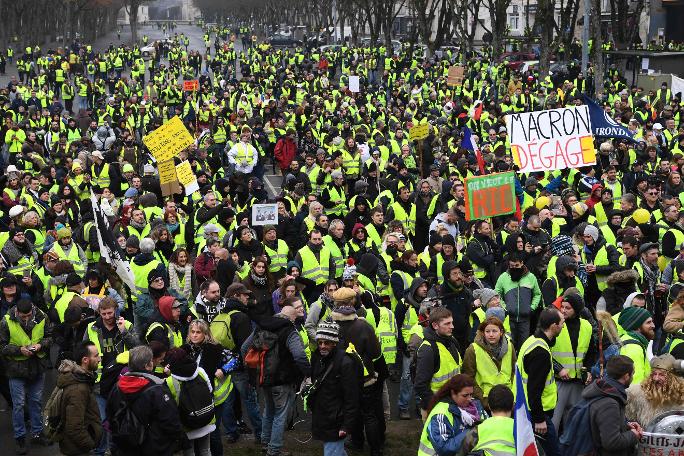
<point>446,438</point>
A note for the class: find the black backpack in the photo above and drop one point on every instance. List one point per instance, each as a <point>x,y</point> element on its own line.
<point>195,402</point>
<point>577,438</point>
<point>128,430</point>
<point>262,359</point>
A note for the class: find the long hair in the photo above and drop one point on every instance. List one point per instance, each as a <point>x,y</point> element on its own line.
<point>455,384</point>
<point>204,327</point>
<point>671,392</point>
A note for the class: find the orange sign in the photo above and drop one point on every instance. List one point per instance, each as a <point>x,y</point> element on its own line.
<point>190,86</point>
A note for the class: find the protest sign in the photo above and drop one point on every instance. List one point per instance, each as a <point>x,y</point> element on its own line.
<point>661,444</point>
<point>187,177</point>
<point>489,195</point>
<point>264,214</point>
<point>190,86</point>
<point>419,132</point>
<point>167,171</point>
<point>354,84</point>
<point>455,76</point>
<point>168,140</point>
<point>551,139</point>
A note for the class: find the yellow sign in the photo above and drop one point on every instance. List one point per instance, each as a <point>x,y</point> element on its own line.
<point>419,131</point>
<point>187,177</point>
<point>167,172</point>
<point>168,140</point>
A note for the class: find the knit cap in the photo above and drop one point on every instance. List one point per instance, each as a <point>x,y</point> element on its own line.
<point>349,272</point>
<point>497,312</point>
<point>633,317</point>
<point>484,295</point>
<point>63,233</point>
<point>561,245</point>
<point>328,330</point>
<point>592,231</point>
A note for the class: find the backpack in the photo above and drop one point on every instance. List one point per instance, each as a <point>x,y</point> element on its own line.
<point>195,402</point>
<point>262,358</point>
<point>53,415</point>
<point>577,439</point>
<point>128,431</point>
<point>220,330</point>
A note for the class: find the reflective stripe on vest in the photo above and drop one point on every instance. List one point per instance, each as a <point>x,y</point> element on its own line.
<point>19,338</point>
<point>495,437</point>
<point>278,257</point>
<point>562,349</point>
<point>487,374</point>
<point>448,367</point>
<point>386,330</point>
<point>315,270</point>
<point>425,446</point>
<point>549,397</point>
<point>96,338</point>
<point>175,338</point>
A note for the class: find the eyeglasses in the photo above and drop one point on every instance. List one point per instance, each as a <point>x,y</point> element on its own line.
<point>158,279</point>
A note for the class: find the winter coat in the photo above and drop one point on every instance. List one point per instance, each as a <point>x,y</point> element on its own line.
<point>146,306</point>
<point>460,302</point>
<point>263,306</point>
<point>674,320</point>
<point>447,436</point>
<point>335,404</point>
<point>82,423</point>
<point>34,366</point>
<point>620,285</point>
<point>521,297</point>
<point>152,403</point>
<point>609,430</point>
<point>359,332</point>
<point>641,410</point>
<point>425,364</point>
<point>285,151</point>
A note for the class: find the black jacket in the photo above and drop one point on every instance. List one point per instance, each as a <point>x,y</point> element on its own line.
<point>427,363</point>
<point>153,404</point>
<point>537,364</point>
<point>335,404</point>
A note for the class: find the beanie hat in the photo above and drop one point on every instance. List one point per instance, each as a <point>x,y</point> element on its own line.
<point>133,242</point>
<point>73,279</point>
<point>497,312</point>
<point>484,295</point>
<point>180,363</point>
<point>592,231</point>
<point>575,301</point>
<point>633,317</point>
<point>562,245</point>
<point>349,272</point>
<point>268,228</point>
<point>579,208</point>
<point>63,233</point>
<point>131,193</point>
<point>292,264</point>
<point>154,274</point>
<point>435,239</point>
<point>448,239</point>
<point>328,330</point>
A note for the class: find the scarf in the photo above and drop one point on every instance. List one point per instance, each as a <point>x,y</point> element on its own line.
<point>469,415</point>
<point>651,279</point>
<point>175,272</point>
<point>260,281</point>
<point>172,227</point>
<point>499,350</point>
<point>639,338</point>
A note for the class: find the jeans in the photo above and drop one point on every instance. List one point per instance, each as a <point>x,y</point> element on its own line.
<point>104,442</point>
<point>520,331</point>
<point>335,448</point>
<point>198,447</point>
<point>405,385</point>
<point>549,441</point>
<point>215,442</point>
<point>249,399</point>
<point>277,402</point>
<point>30,391</point>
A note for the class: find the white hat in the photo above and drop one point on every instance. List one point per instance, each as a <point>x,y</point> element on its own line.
<point>11,169</point>
<point>657,126</point>
<point>148,169</point>
<point>16,210</point>
<point>98,154</point>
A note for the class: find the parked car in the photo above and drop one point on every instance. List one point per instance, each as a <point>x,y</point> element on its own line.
<point>516,59</point>
<point>148,51</point>
<point>283,41</point>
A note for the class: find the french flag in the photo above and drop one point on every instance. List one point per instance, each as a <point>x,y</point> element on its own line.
<point>468,143</point>
<point>525,445</point>
<point>476,110</point>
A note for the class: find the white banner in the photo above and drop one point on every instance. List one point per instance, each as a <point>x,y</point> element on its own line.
<point>551,139</point>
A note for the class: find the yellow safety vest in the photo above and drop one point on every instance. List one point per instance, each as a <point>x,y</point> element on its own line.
<point>278,257</point>
<point>175,387</point>
<point>175,338</point>
<point>448,366</point>
<point>562,349</point>
<point>487,374</point>
<point>425,447</point>
<point>140,273</point>
<point>336,253</point>
<point>386,330</point>
<point>312,269</point>
<point>19,338</point>
<point>495,437</point>
<point>642,366</point>
<point>601,259</point>
<point>408,220</point>
<point>96,338</point>
<point>549,396</point>
<point>72,258</point>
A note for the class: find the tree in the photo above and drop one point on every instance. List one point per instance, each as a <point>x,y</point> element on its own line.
<point>596,57</point>
<point>427,11</point>
<point>498,17</point>
<point>624,19</point>
<point>466,22</point>
<point>545,10</point>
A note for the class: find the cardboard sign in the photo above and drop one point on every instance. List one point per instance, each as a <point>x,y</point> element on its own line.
<point>354,84</point>
<point>264,214</point>
<point>168,140</point>
<point>190,86</point>
<point>661,444</point>
<point>419,132</point>
<point>551,139</point>
<point>167,172</point>
<point>489,195</point>
<point>455,76</point>
<point>187,177</point>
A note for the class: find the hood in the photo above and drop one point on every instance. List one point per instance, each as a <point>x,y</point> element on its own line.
<point>133,383</point>
<point>410,296</point>
<point>563,262</point>
<point>630,298</point>
<point>70,373</point>
<point>511,243</point>
<point>184,372</point>
<point>274,323</point>
<point>142,259</point>
<point>606,387</point>
<point>627,276</point>
<point>368,265</point>
<point>446,269</point>
<point>234,304</point>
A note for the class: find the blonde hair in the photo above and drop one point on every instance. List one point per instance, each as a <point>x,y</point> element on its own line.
<point>670,393</point>
<point>202,326</point>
